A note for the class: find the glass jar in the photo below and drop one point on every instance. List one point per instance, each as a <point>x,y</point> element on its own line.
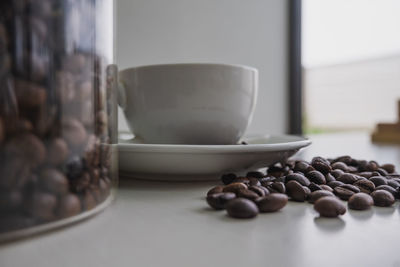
<point>57,112</point>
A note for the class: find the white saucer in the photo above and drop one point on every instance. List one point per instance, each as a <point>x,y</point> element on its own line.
<point>203,162</point>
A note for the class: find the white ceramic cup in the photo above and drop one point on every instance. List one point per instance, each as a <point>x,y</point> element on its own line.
<point>188,103</point>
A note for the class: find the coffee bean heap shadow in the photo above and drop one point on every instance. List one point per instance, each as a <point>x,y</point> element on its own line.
<point>325,183</point>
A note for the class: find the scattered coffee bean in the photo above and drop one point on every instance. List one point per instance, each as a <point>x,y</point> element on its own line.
<point>333,184</point>
<point>329,178</point>
<point>228,178</point>
<point>314,187</point>
<point>272,202</point>
<point>296,191</point>
<point>301,166</point>
<point>218,201</point>
<point>298,178</point>
<point>278,187</point>
<point>329,207</point>
<point>335,173</point>
<point>326,187</point>
<point>347,178</point>
<point>321,165</point>
<point>241,208</point>
<point>382,198</point>
<point>243,180</point>
<point>388,188</point>
<point>339,165</point>
<point>390,168</point>
<point>318,194</point>
<point>215,190</point>
<point>366,174</point>
<point>365,186</point>
<point>382,172</point>
<point>378,180</point>
<point>255,174</point>
<point>372,166</point>
<point>360,201</point>
<point>246,193</point>
<point>393,184</point>
<point>343,192</point>
<point>234,187</point>
<point>260,190</point>
<point>316,177</point>
<point>254,182</point>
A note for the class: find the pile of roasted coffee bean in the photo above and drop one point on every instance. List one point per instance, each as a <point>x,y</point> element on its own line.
<point>322,182</point>
<point>55,156</point>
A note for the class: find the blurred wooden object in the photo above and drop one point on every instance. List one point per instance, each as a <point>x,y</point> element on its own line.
<point>388,132</point>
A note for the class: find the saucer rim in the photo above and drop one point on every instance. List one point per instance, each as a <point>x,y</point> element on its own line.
<point>301,142</point>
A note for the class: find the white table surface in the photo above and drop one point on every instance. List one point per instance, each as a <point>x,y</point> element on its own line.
<point>169,224</point>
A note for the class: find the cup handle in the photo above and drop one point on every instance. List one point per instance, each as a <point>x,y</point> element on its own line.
<point>121,95</point>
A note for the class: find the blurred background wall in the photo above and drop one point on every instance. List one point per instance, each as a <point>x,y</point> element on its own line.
<point>252,32</point>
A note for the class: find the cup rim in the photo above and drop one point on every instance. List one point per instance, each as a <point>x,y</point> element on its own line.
<point>191,65</point>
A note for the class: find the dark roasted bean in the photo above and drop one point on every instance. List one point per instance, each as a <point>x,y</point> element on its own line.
<point>322,166</point>
<point>296,191</point>
<point>272,202</point>
<point>329,178</point>
<point>69,205</point>
<point>352,169</point>
<point>378,180</point>
<point>215,190</point>
<point>53,181</point>
<point>57,151</point>
<point>382,198</point>
<point>228,178</point>
<point>345,159</point>
<point>243,180</point>
<point>314,187</point>
<point>393,184</point>
<point>326,187</point>
<point>254,181</point>
<point>365,186</point>
<point>390,168</point>
<point>347,178</point>
<point>360,201</point>
<point>42,206</point>
<point>255,174</point>
<point>301,166</point>
<point>316,177</point>
<point>333,184</point>
<point>336,173</point>
<point>372,166</point>
<point>260,190</point>
<point>318,194</point>
<point>343,193</point>
<point>241,208</point>
<point>218,201</point>
<point>339,165</point>
<point>278,187</point>
<point>388,188</point>
<point>299,178</point>
<point>234,187</point>
<point>366,174</point>
<point>246,193</point>
<point>329,207</point>
<point>351,187</point>
<point>382,172</point>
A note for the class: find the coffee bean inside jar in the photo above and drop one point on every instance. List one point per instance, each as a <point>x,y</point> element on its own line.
<point>56,81</point>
